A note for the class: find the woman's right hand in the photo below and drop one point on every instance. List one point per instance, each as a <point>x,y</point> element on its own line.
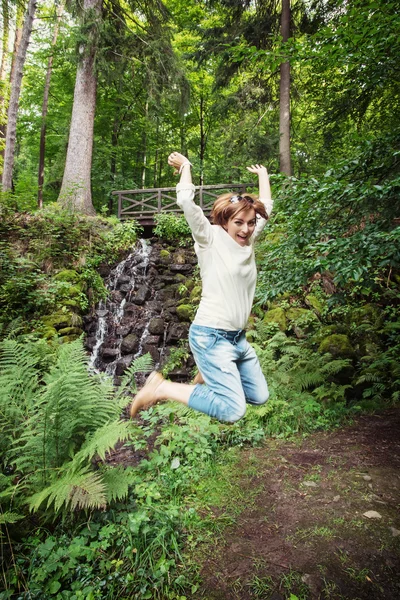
<point>176,160</point>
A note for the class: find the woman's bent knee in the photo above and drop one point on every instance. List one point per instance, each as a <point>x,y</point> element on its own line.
<point>260,399</point>
<point>234,416</point>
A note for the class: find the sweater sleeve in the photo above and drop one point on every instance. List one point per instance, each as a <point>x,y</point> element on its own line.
<point>260,221</point>
<point>199,224</point>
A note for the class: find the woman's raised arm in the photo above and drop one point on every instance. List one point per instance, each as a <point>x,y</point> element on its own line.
<point>198,223</point>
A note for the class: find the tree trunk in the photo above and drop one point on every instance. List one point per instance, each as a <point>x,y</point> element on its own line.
<point>76,189</point>
<point>202,139</point>
<point>284,99</point>
<point>42,145</point>
<point>113,164</point>
<point>3,77</point>
<point>14,96</point>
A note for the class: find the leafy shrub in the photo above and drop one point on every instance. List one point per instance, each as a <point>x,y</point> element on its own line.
<point>171,227</point>
<point>342,224</point>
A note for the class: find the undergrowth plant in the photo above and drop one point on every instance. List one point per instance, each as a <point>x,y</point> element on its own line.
<point>55,423</point>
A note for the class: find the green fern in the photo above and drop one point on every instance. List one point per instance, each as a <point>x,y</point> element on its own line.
<point>76,489</point>
<point>59,421</point>
<point>102,441</point>
<point>117,481</point>
<point>10,518</point>
<point>142,364</point>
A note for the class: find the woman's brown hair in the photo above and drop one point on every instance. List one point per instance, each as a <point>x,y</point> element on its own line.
<point>228,205</point>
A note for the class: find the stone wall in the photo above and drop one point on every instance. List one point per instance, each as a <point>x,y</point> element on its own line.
<point>152,300</point>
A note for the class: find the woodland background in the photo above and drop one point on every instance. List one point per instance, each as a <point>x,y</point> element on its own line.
<point>94,96</point>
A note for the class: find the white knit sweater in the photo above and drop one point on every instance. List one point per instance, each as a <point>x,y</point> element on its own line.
<point>228,270</point>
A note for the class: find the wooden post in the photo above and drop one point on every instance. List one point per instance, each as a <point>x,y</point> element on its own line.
<point>159,201</point>
<point>119,206</point>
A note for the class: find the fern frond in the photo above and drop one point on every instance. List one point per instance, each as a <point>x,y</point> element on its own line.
<point>103,440</point>
<point>117,481</point>
<point>10,517</point>
<point>18,375</point>
<point>142,364</point>
<point>79,489</point>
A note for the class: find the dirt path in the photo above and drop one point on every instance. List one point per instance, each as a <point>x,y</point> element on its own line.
<point>303,532</point>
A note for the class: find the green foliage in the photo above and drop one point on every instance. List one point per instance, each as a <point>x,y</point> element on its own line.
<point>177,357</point>
<point>36,250</point>
<point>55,423</point>
<point>341,226</point>
<point>172,228</point>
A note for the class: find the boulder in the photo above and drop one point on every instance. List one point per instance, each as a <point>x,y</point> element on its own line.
<point>123,364</point>
<point>184,312</point>
<point>130,344</point>
<point>152,350</point>
<point>142,294</point>
<point>186,268</point>
<point>177,332</point>
<point>276,315</point>
<point>338,345</point>
<point>156,326</point>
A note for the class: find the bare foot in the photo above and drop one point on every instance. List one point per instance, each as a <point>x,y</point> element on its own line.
<point>147,396</point>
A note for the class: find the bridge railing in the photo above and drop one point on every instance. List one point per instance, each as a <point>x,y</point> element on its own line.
<point>143,204</point>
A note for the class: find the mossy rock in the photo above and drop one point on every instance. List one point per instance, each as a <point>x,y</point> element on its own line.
<point>70,331</point>
<point>179,257</point>
<point>67,275</point>
<point>59,320</point>
<point>47,332</point>
<point>316,304</point>
<point>327,330</point>
<point>185,312</point>
<point>165,254</point>
<point>276,315</point>
<point>72,292</point>
<point>303,321</point>
<point>195,294</point>
<point>338,345</point>
<point>71,303</point>
<point>66,339</point>
<point>369,313</point>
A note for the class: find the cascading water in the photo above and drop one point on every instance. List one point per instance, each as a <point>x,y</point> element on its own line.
<point>110,313</point>
<point>140,314</point>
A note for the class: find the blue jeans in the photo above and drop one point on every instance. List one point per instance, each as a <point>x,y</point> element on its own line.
<point>231,371</point>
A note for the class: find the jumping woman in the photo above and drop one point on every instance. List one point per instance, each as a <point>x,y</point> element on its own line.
<point>229,371</point>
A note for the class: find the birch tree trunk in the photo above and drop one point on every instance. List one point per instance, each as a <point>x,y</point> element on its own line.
<point>14,96</point>
<point>284,98</point>
<point>76,185</point>
<point>42,145</point>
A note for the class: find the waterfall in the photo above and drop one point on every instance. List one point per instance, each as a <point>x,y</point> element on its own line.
<point>110,314</point>
<point>140,314</point>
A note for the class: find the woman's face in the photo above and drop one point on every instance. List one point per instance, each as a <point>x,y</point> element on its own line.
<point>242,225</point>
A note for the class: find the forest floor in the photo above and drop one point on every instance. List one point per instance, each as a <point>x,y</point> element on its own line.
<point>291,520</point>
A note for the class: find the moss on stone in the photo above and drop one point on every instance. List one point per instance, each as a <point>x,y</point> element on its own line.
<point>315,303</point>
<point>369,313</point>
<point>164,254</point>
<point>68,275</point>
<point>70,331</point>
<point>59,320</point>
<point>185,312</point>
<point>195,294</point>
<point>276,315</point>
<point>338,345</point>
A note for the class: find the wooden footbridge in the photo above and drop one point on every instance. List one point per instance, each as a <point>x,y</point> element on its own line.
<point>143,204</point>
